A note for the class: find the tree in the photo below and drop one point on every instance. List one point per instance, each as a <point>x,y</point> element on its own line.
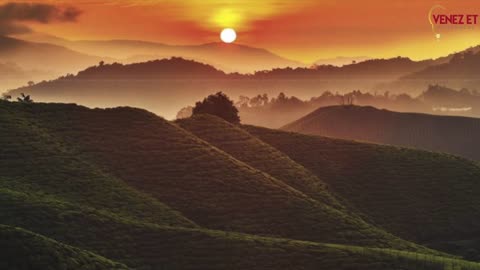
<point>220,105</point>
<point>6,97</point>
<point>185,112</point>
<point>25,98</point>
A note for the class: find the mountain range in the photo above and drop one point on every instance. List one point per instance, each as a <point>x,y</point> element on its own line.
<point>122,188</point>
<point>227,57</point>
<point>43,56</point>
<point>164,86</point>
<point>149,85</point>
<point>423,131</point>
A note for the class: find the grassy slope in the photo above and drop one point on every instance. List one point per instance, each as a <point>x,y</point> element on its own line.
<point>22,249</point>
<point>249,149</point>
<point>57,209</point>
<point>208,186</point>
<point>36,162</point>
<point>429,132</point>
<point>148,246</point>
<point>416,194</point>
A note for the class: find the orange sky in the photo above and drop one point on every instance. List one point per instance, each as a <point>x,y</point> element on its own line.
<point>303,30</point>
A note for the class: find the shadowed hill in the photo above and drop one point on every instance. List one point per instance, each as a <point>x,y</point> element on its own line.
<point>208,186</point>
<point>144,245</point>
<point>43,56</point>
<point>426,197</point>
<point>22,249</point>
<point>37,162</point>
<point>460,66</point>
<point>165,68</point>
<point>247,148</point>
<point>164,86</point>
<point>457,70</point>
<point>68,173</point>
<point>149,246</point>
<point>455,135</point>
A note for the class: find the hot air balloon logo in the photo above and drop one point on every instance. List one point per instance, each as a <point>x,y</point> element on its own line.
<point>435,33</point>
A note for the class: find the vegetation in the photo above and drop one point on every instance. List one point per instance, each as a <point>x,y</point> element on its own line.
<point>24,98</point>
<point>429,198</point>
<point>24,250</point>
<point>220,105</point>
<point>93,185</point>
<point>249,149</point>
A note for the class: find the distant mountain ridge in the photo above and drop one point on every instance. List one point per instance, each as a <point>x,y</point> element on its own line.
<point>228,57</point>
<point>43,56</point>
<point>431,132</point>
<point>149,85</point>
<point>341,60</point>
<point>164,86</point>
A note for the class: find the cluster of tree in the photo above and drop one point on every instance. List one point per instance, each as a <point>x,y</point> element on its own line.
<point>22,98</point>
<point>326,99</point>
<point>277,111</point>
<point>217,104</point>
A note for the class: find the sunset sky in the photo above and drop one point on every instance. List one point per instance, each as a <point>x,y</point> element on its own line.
<point>304,30</point>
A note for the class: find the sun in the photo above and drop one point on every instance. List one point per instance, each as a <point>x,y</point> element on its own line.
<point>228,35</point>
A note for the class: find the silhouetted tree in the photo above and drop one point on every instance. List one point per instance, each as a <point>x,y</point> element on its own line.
<point>259,100</point>
<point>31,83</point>
<point>185,112</point>
<point>220,105</point>
<point>25,98</point>
<point>6,97</point>
<point>243,101</point>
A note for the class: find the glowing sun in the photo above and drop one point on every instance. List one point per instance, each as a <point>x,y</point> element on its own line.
<point>228,35</point>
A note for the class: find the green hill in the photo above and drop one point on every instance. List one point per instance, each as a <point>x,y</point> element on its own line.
<point>37,162</point>
<point>208,186</point>
<point>430,132</point>
<point>149,246</point>
<point>240,144</point>
<point>426,197</point>
<point>150,194</point>
<point>26,250</point>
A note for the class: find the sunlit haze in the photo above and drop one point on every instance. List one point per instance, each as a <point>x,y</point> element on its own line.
<point>304,30</point>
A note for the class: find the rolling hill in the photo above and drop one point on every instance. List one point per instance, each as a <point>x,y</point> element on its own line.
<point>44,56</point>
<point>227,57</point>
<point>454,71</point>
<point>345,167</point>
<point>430,132</point>
<point>150,85</point>
<point>126,185</point>
<point>22,249</point>
<point>422,196</point>
<point>176,168</point>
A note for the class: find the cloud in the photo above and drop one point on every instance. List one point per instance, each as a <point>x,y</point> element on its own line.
<point>14,15</point>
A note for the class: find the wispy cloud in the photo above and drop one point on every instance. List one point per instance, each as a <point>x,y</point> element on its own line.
<point>13,15</point>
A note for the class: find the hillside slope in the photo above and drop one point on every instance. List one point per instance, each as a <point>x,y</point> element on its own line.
<point>206,185</point>
<point>145,246</point>
<point>97,181</point>
<point>455,135</point>
<point>43,56</point>
<point>246,148</point>
<point>22,249</point>
<point>426,197</point>
<point>35,161</point>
